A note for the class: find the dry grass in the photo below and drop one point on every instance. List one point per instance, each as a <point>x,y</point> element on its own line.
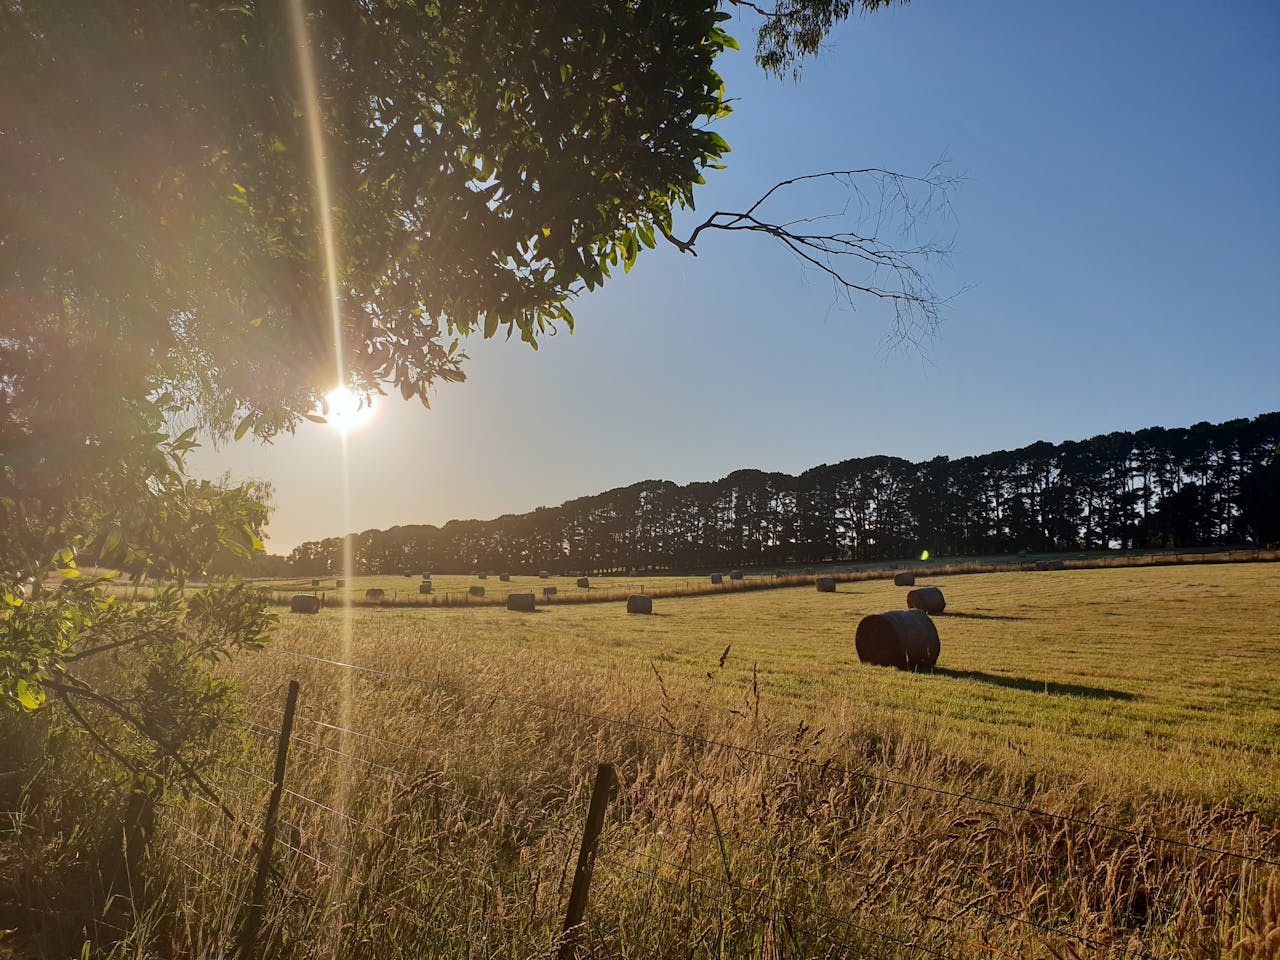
<point>1142,698</point>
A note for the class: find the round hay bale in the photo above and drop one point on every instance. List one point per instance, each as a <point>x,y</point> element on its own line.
<point>304,603</point>
<point>483,576</point>
<point>717,578</point>
<point>898,638</point>
<point>504,577</point>
<point>424,586</point>
<point>341,582</point>
<point>544,574</point>
<point>475,591</point>
<point>639,603</point>
<point>426,575</point>
<point>374,593</point>
<point>584,582</point>
<point>826,584</point>
<point>521,602</point>
<point>1042,565</point>
<point>904,579</point>
<point>928,599</point>
<point>735,574</point>
<point>266,591</point>
<point>1057,565</point>
<point>315,583</point>
<point>548,591</point>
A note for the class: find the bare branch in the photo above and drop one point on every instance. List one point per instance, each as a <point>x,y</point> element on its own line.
<point>755,7</point>
<point>884,260</point>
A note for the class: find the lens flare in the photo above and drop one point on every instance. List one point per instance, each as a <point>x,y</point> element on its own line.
<point>339,399</point>
<point>345,410</point>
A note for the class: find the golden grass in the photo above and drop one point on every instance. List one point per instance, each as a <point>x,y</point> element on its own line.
<point>1143,698</point>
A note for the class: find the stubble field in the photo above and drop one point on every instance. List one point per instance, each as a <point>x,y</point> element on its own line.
<point>1090,771</point>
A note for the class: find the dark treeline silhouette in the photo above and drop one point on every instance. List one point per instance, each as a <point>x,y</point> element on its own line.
<point>1210,484</point>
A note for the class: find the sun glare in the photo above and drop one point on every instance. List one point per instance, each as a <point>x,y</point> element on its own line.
<point>344,410</point>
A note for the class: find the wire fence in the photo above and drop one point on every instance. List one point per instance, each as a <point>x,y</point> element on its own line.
<point>374,825</point>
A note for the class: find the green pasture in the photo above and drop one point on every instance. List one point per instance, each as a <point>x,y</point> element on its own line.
<point>1158,680</point>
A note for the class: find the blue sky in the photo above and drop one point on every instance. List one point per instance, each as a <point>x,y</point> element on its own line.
<point>1116,242</point>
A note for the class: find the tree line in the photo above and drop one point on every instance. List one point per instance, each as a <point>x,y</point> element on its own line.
<point>1208,484</point>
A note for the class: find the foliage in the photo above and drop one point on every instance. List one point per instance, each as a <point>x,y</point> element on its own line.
<point>119,708</point>
<point>1260,499</point>
<point>794,29</point>
<point>481,165</point>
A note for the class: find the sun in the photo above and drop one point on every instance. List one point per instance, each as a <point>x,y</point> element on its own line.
<point>345,410</point>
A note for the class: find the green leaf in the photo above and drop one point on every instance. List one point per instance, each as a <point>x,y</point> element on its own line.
<point>30,695</point>
<point>245,424</point>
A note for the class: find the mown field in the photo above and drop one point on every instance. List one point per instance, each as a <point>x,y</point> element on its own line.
<point>1065,783</point>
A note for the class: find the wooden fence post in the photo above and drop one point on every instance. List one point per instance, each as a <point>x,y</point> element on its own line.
<point>253,917</point>
<point>606,777</point>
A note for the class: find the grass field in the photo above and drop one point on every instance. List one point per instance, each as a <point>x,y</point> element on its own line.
<point>857,816</point>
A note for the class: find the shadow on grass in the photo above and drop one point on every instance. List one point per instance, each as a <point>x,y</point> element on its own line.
<point>977,616</point>
<point>1036,686</point>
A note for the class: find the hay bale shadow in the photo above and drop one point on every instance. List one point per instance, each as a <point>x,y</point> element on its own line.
<point>1036,686</point>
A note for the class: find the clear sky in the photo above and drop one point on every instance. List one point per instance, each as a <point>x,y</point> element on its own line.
<point>1117,240</point>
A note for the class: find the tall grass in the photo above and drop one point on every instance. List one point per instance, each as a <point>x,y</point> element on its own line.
<point>775,801</point>
<point>1073,781</point>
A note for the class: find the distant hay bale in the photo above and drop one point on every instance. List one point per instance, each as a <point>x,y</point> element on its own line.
<point>426,575</point>
<point>304,603</point>
<point>475,591</point>
<point>904,579</point>
<point>340,582</point>
<point>826,584</point>
<point>928,599</point>
<point>584,582</point>
<point>504,577</point>
<point>1050,565</point>
<point>544,574</point>
<point>424,586</point>
<point>548,591</point>
<point>315,583</point>
<point>735,574</point>
<point>898,638</point>
<point>266,591</point>
<point>407,574</point>
<point>779,573</point>
<point>483,576</point>
<point>717,578</point>
<point>809,571</point>
<point>522,602</point>
<point>374,593</point>
<point>639,603</point>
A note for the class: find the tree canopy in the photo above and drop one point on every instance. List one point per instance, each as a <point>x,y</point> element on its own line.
<point>483,163</point>
<point>1192,487</point>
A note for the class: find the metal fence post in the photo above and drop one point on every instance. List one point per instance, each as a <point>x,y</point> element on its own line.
<point>606,777</point>
<point>253,916</point>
